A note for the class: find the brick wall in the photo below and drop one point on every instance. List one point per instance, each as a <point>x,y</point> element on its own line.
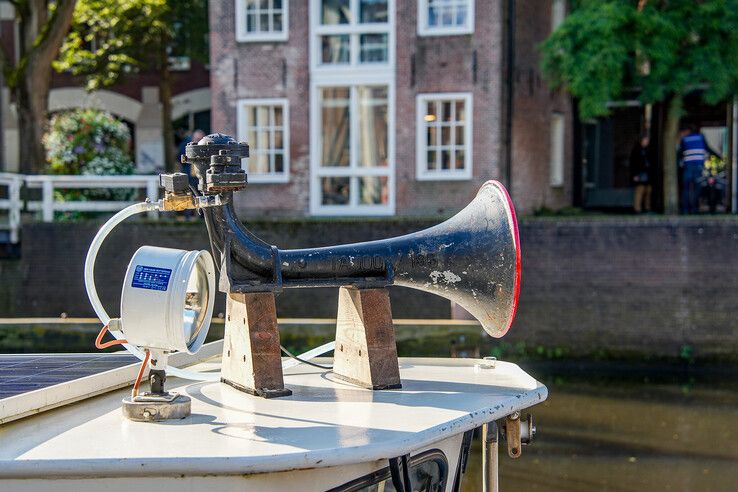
<point>264,70</point>
<point>533,105</point>
<point>646,286</point>
<point>423,64</point>
<point>447,64</point>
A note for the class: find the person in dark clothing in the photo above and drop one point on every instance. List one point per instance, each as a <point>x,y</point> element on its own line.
<point>693,151</point>
<point>642,168</point>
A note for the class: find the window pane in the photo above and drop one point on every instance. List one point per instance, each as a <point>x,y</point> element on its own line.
<point>445,135</point>
<point>262,141</point>
<point>336,49</point>
<point>445,159</point>
<point>446,110</point>
<point>373,11</point>
<point>264,23</point>
<point>277,22</point>
<point>447,17</point>
<point>336,126</point>
<point>277,4</point>
<point>459,135</point>
<point>461,15</point>
<point>278,162</point>
<point>460,111</point>
<point>261,117</point>
<point>251,5</point>
<point>460,159</point>
<point>259,163</point>
<point>336,12</point>
<point>373,48</point>
<point>433,17</point>
<point>373,190</point>
<point>372,126</point>
<point>432,135</point>
<point>431,160</point>
<point>278,143</point>
<point>335,191</point>
<point>277,116</point>
<point>430,113</point>
<point>250,22</point>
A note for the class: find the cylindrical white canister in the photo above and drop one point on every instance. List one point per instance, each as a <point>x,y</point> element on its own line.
<point>167,299</point>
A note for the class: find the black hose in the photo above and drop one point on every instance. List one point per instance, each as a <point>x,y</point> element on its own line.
<point>304,361</point>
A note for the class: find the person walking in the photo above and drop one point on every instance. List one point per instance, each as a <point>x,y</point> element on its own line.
<point>693,151</point>
<point>642,170</point>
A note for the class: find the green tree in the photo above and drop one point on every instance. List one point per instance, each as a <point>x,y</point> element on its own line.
<point>664,49</point>
<point>42,26</point>
<point>110,39</point>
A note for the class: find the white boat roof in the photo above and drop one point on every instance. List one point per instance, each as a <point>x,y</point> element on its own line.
<point>326,422</point>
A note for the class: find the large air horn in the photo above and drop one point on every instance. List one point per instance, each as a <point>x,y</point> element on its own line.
<point>473,258</point>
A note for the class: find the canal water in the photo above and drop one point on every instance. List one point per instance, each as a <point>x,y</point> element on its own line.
<point>626,427</point>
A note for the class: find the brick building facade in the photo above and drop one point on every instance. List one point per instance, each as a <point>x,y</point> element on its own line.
<point>382,107</point>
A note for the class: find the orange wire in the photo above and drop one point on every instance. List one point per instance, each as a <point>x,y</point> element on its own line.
<point>105,345</point>
<point>136,385</point>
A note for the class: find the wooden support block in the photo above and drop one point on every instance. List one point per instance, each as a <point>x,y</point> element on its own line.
<point>366,353</point>
<point>252,359</point>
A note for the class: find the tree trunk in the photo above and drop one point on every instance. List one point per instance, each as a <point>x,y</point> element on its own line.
<point>165,96</point>
<point>669,159</point>
<point>32,95</point>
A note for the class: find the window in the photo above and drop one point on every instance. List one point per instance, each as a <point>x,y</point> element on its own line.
<point>445,17</point>
<point>262,20</point>
<point>264,124</point>
<point>444,136</point>
<point>352,107</point>
<point>352,167</point>
<point>557,150</point>
<point>558,13</point>
<point>350,33</point>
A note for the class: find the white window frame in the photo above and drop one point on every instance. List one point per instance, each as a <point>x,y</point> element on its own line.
<point>317,171</point>
<point>353,30</point>
<point>350,75</point>
<point>421,146</point>
<point>243,36</point>
<point>425,30</point>
<point>558,13</point>
<point>243,124</point>
<point>558,150</point>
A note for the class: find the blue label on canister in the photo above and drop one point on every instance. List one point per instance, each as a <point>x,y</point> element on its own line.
<point>153,278</point>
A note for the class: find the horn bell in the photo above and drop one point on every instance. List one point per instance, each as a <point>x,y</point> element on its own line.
<point>472,259</point>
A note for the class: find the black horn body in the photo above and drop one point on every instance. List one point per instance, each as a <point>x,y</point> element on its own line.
<point>472,259</point>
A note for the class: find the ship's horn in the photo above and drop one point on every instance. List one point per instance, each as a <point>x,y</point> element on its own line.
<point>473,259</point>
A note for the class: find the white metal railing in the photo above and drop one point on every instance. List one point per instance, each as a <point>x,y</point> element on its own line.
<point>12,204</point>
<point>49,183</point>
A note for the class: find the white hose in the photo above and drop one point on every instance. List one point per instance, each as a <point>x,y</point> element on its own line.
<point>105,318</point>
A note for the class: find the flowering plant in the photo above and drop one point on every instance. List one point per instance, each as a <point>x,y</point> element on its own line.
<point>91,142</point>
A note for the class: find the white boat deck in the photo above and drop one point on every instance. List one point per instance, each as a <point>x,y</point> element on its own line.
<point>326,422</point>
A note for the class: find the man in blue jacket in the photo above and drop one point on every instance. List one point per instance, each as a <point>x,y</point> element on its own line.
<point>693,151</point>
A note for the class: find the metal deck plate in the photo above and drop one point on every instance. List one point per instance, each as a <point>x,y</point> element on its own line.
<point>21,373</point>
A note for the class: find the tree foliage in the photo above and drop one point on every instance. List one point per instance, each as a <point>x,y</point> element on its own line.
<point>112,38</point>
<point>42,26</point>
<point>662,48</point>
